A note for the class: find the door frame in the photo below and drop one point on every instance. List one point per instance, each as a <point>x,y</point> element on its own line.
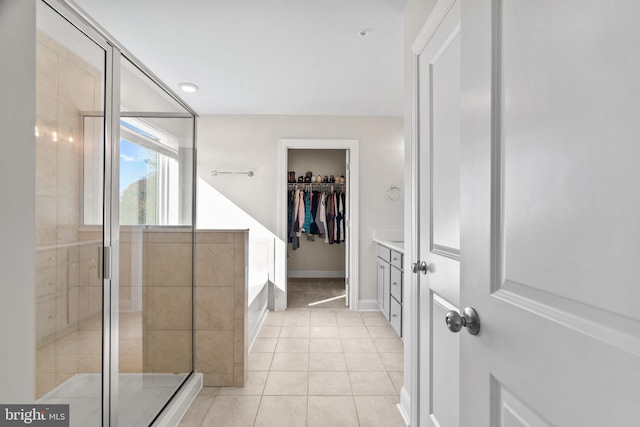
<point>411,390</point>
<point>352,146</point>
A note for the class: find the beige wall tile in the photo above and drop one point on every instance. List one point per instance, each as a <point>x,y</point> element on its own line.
<point>214,308</point>
<point>217,380</point>
<point>75,86</point>
<point>46,119</point>
<point>46,171</point>
<point>239,374</point>
<point>241,256</point>
<point>171,351</point>
<point>240,342</point>
<point>212,236</point>
<point>214,352</point>
<point>68,213</point>
<point>168,264</point>
<point>214,264</point>
<point>69,174</point>
<point>46,213</point>
<point>91,363</point>
<point>69,129</point>
<point>52,44</point>
<point>46,71</point>
<point>241,297</point>
<point>169,308</point>
<point>177,235</point>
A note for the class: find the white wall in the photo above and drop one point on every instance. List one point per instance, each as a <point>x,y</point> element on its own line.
<point>416,13</point>
<point>17,189</point>
<point>242,143</point>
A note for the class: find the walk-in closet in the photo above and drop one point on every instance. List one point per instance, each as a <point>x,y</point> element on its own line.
<point>317,225</point>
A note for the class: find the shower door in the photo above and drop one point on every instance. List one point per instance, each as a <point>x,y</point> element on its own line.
<point>155,295</point>
<point>73,91</point>
<point>114,229</point>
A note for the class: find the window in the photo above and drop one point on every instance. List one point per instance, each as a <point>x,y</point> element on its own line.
<point>149,179</point>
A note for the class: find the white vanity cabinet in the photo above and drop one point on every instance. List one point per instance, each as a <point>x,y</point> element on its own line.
<point>389,277</point>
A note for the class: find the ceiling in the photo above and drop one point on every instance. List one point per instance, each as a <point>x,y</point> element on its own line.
<point>268,56</point>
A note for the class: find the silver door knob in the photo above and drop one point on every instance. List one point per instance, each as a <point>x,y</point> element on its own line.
<point>420,266</point>
<point>469,320</point>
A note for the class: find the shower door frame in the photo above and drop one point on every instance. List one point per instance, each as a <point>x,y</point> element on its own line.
<point>111,197</point>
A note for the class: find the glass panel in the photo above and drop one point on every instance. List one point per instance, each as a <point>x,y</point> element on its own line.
<point>140,93</point>
<point>70,85</point>
<point>156,252</point>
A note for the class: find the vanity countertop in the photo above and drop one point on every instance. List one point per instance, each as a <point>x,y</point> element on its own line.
<point>392,239</point>
<point>396,245</point>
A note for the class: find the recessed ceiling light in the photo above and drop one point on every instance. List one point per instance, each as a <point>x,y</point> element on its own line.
<point>188,87</point>
<point>363,33</point>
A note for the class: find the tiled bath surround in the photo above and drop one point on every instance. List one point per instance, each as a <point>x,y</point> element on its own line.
<point>221,326</point>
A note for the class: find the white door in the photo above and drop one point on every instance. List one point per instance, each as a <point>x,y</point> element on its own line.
<point>438,138</point>
<point>550,208</point>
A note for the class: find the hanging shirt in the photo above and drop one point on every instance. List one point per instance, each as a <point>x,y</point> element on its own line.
<point>307,215</point>
<point>323,216</point>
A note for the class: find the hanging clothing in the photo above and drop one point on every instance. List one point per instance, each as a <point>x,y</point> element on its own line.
<point>343,204</point>
<point>307,212</point>
<point>331,217</point>
<point>316,213</point>
<point>313,226</point>
<point>323,216</point>
<point>339,218</point>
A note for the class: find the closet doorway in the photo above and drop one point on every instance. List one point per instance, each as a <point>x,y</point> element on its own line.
<point>320,266</point>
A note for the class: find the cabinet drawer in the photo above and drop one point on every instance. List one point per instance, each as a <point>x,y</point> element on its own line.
<point>45,317</point>
<point>396,259</point>
<point>396,283</point>
<point>45,281</point>
<point>46,259</point>
<point>383,252</point>
<point>395,317</point>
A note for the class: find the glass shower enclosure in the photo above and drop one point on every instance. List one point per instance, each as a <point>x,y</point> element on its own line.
<point>115,153</point>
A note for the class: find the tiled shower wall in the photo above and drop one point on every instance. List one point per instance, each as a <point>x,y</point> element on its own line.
<point>220,305</point>
<point>68,291</point>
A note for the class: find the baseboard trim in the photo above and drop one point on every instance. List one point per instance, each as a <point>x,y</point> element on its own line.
<point>405,406</point>
<point>368,305</point>
<point>310,274</point>
<point>179,405</point>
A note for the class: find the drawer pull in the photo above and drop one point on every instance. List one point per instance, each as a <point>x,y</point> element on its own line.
<point>52,258</point>
<point>51,316</point>
<point>395,259</point>
<point>395,315</point>
<point>52,283</point>
<point>395,284</point>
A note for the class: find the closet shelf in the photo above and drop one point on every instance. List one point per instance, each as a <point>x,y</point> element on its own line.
<point>315,184</point>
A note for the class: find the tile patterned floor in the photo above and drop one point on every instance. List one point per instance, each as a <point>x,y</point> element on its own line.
<point>313,367</point>
<point>315,293</point>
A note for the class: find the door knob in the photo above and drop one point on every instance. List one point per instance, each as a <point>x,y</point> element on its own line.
<point>469,320</point>
<point>420,266</point>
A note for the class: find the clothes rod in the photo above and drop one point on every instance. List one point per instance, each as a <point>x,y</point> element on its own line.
<point>216,173</point>
<point>306,184</point>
